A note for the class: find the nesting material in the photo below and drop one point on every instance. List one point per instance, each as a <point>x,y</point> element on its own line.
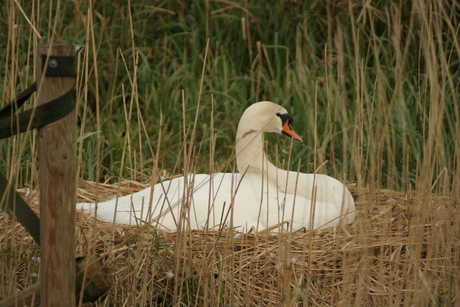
<point>402,250</point>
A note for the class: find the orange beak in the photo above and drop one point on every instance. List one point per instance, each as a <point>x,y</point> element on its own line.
<point>287,129</point>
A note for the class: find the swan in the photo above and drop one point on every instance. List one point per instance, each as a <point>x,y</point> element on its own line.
<point>258,197</point>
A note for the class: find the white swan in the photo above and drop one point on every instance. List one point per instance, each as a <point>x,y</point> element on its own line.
<point>259,197</point>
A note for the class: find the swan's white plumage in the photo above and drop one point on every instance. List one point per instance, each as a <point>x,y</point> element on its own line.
<point>260,196</point>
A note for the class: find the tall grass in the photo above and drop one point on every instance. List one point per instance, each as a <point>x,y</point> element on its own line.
<point>373,87</point>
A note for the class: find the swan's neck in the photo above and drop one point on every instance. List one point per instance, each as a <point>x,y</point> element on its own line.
<point>250,154</point>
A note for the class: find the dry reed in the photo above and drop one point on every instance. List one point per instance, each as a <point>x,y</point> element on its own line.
<point>378,94</point>
<point>402,250</point>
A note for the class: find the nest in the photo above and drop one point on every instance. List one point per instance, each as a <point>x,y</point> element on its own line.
<point>402,250</point>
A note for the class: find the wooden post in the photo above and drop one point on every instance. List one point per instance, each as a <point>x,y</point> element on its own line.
<point>57,156</point>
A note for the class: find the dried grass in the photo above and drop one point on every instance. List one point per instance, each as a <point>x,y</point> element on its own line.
<point>403,250</point>
<point>384,109</point>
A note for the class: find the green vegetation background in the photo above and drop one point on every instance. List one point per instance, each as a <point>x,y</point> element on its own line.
<point>373,86</point>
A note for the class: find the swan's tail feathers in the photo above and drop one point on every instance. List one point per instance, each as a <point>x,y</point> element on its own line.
<point>88,207</point>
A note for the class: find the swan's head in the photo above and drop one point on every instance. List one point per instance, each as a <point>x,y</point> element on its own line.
<point>267,116</point>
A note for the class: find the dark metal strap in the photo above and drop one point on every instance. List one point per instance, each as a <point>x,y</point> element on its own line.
<point>14,105</point>
<point>13,204</point>
<point>37,117</point>
<point>59,66</point>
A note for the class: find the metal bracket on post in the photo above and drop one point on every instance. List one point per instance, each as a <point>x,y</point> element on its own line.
<point>59,66</point>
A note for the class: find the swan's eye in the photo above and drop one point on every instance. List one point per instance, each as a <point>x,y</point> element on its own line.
<point>285,118</point>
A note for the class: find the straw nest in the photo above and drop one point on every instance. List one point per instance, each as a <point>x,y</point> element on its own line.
<point>402,250</point>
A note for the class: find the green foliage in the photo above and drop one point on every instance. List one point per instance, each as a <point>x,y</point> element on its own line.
<point>373,89</point>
